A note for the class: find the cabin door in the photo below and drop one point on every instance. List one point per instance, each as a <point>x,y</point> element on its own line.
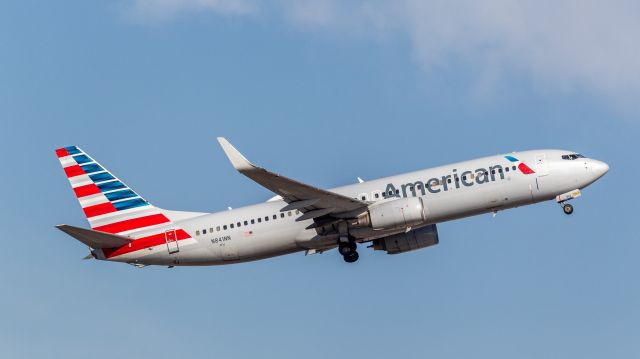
<point>542,167</point>
<point>171,238</point>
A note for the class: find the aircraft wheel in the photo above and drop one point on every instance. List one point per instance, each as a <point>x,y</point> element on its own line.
<point>347,248</point>
<point>567,208</point>
<point>352,257</point>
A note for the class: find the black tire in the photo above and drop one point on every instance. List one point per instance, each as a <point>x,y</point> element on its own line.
<point>350,258</point>
<point>345,250</point>
<point>567,208</point>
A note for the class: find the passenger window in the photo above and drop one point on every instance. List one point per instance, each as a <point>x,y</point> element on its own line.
<point>448,180</point>
<point>204,231</point>
<point>218,229</point>
<point>224,227</point>
<point>513,168</point>
<point>259,220</point>
<point>282,215</point>
<point>289,213</point>
<point>239,224</point>
<point>266,218</point>
<point>246,223</point>
<point>275,216</point>
<point>464,178</point>
<point>197,233</point>
<point>500,170</point>
<point>364,198</point>
<point>376,195</point>
<point>507,169</point>
<point>253,221</point>
<point>231,225</point>
<point>211,230</point>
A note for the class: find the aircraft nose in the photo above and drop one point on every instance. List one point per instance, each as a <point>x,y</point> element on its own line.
<point>599,168</point>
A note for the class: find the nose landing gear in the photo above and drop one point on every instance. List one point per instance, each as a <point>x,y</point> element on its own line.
<point>562,198</point>
<point>567,208</point>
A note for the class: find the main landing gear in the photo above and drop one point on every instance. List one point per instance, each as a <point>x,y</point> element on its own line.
<point>348,250</point>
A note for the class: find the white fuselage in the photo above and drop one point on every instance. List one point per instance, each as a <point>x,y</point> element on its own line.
<point>449,192</point>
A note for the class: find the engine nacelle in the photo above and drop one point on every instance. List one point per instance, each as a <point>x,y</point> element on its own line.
<point>399,213</point>
<point>409,241</point>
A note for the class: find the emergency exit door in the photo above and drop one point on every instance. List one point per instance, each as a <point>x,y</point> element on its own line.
<point>171,238</point>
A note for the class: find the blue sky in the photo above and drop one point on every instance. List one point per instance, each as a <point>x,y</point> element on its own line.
<point>322,92</point>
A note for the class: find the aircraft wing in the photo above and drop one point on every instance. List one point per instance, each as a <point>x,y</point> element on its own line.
<point>312,201</point>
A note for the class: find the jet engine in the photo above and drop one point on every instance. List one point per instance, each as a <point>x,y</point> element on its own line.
<point>409,241</point>
<point>399,213</point>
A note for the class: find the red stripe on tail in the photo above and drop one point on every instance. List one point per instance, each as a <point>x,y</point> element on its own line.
<point>62,152</point>
<point>86,190</point>
<point>73,171</point>
<point>99,209</point>
<point>134,223</point>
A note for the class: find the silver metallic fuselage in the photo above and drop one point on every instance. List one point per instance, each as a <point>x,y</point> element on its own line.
<point>553,176</point>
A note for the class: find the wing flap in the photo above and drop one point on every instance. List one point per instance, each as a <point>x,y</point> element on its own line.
<point>94,239</point>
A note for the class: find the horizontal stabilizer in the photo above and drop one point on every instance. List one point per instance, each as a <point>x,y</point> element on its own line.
<point>94,239</point>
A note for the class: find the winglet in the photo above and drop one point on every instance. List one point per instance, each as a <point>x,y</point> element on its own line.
<point>235,157</point>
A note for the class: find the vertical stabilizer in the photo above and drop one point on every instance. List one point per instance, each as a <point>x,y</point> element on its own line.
<point>111,206</point>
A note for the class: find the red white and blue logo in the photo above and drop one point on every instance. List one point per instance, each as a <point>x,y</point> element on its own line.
<point>522,167</point>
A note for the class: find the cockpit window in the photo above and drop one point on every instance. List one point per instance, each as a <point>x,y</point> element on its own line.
<point>573,156</point>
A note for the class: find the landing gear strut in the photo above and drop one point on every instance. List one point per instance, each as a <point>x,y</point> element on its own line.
<point>348,250</point>
<point>567,208</point>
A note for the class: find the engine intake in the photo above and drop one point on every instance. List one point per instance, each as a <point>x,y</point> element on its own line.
<point>405,242</point>
<point>399,213</point>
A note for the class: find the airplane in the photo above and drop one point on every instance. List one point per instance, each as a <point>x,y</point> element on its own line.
<point>395,214</point>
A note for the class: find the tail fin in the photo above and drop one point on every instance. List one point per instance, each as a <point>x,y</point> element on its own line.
<point>109,204</point>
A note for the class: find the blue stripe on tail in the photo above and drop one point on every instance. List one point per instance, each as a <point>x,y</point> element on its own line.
<point>130,203</point>
<point>90,168</point>
<point>101,177</point>
<point>115,196</point>
<point>110,186</point>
